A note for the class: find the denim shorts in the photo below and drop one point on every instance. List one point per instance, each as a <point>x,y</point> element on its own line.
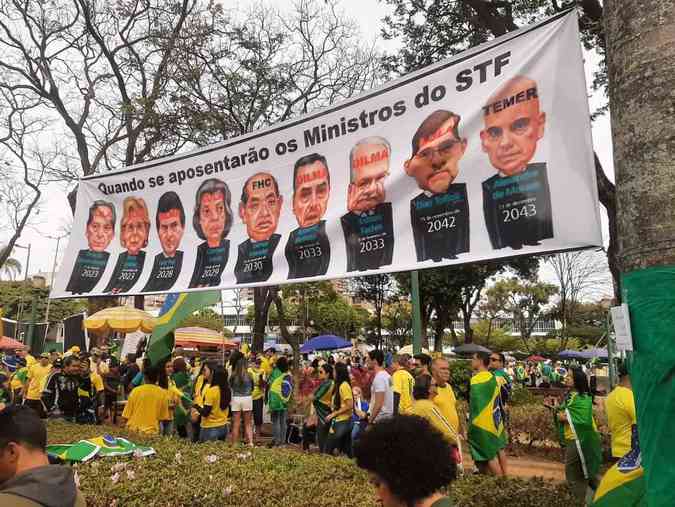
<point>210,434</point>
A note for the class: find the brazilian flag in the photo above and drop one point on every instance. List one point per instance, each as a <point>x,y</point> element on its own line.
<point>176,308</point>
<point>621,489</point>
<point>579,411</point>
<point>105,446</point>
<point>323,399</point>
<point>486,431</point>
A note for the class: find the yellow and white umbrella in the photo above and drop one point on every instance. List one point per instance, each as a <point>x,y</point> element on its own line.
<point>202,337</point>
<point>408,349</point>
<point>122,319</point>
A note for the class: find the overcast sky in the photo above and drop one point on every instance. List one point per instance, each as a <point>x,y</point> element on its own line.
<point>55,214</point>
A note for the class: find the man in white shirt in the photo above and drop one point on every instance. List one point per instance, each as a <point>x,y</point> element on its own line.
<point>381,393</point>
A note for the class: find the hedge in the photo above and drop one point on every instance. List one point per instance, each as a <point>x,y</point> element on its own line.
<point>215,474</point>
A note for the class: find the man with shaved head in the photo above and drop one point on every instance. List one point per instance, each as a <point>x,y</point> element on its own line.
<point>440,214</point>
<point>368,226</point>
<point>517,200</point>
<point>259,209</point>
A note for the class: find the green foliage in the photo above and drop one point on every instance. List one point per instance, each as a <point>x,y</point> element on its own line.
<point>397,321</point>
<point>495,338</point>
<point>12,293</point>
<point>500,492</point>
<point>460,376</point>
<point>522,396</point>
<point>179,475</point>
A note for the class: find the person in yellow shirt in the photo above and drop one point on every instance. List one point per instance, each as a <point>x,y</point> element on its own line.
<point>19,381</point>
<point>340,420</point>
<point>148,404</point>
<point>30,360</point>
<point>268,361</point>
<point>445,398</point>
<point>258,394</point>
<point>99,390</point>
<point>215,412</point>
<point>423,406</point>
<point>402,384</point>
<point>37,375</point>
<point>620,408</point>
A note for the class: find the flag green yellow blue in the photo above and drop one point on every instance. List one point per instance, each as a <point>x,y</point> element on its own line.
<point>105,446</point>
<point>176,308</point>
<point>621,489</point>
<point>579,411</point>
<point>486,430</point>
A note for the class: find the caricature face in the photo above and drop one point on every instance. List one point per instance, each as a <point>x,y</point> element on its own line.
<point>312,190</point>
<point>370,170</point>
<point>100,230</point>
<point>261,211</point>
<point>170,231</point>
<point>135,231</point>
<point>436,164</point>
<point>511,134</point>
<point>212,217</point>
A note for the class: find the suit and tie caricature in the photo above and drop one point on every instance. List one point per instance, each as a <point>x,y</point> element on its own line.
<point>92,261</point>
<point>212,220</point>
<point>368,226</point>
<point>440,213</point>
<point>170,222</point>
<point>134,231</point>
<point>516,200</point>
<point>308,247</point>
<point>259,209</point>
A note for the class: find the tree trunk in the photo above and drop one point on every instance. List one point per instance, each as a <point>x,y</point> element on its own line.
<point>640,55</point>
<point>261,305</point>
<point>468,332</point>
<point>291,339</point>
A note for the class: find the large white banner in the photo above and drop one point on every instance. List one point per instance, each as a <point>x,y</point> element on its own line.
<point>481,156</point>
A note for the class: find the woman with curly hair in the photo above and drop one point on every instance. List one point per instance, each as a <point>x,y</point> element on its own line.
<point>408,460</point>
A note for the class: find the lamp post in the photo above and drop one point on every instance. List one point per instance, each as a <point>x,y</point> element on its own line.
<point>51,282</point>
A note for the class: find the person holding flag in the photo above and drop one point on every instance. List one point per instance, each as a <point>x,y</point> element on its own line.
<point>486,426</point>
<point>497,363</point>
<point>281,389</point>
<point>578,434</point>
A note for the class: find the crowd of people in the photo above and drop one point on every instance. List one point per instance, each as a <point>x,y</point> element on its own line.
<point>351,399</point>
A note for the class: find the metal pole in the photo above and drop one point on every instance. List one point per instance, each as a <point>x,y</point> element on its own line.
<point>222,312</point>
<point>611,367</point>
<point>416,311</point>
<point>23,292</point>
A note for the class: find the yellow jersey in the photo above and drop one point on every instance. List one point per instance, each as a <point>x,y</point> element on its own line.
<point>402,383</point>
<point>37,376</point>
<point>148,404</point>
<point>96,381</point>
<point>218,417</point>
<point>620,408</point>
<point>447,404</point>
<point>256,375</point>
<point>346,394</point>
<point>430,411</point>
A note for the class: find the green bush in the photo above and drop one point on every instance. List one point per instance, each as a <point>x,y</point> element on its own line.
<point>523,396</point>
<point>460,376</point>
<point>181,475</point>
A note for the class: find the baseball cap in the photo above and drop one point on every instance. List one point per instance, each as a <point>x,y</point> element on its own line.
<point>45,355</point>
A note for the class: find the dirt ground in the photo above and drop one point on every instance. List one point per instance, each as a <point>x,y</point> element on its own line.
<point>527,467</point>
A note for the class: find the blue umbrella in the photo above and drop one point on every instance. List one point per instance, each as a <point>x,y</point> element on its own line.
<point>571,354</point>
<point>325,342</point>
<point>591,353</point>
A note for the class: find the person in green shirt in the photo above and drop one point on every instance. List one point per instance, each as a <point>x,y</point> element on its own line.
<point>421,477</point>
